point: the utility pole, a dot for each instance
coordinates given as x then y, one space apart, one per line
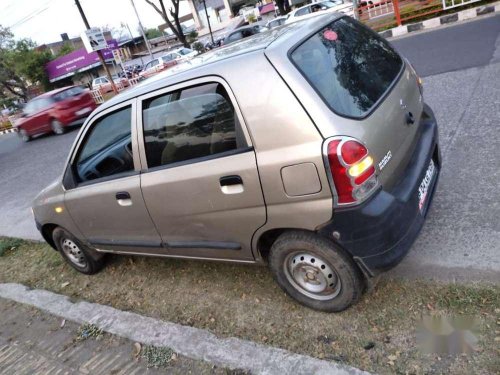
101 59
142 30
208 21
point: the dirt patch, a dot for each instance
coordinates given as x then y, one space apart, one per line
378 334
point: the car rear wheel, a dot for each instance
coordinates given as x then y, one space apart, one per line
76 254
313 271
24 135
57 127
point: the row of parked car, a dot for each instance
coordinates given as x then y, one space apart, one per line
298 14
150 68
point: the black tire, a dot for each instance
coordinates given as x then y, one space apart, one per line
57 127
90 261
303 254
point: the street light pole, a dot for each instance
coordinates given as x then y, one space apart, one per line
101 59
142 30
208 21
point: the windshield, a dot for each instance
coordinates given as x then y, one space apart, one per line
63 95
349 65
331 4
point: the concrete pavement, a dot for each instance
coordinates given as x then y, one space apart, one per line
35 342
461 238
197 344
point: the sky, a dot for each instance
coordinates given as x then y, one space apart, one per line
44 20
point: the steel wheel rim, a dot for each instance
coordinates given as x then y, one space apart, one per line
57 127
73 252
312 276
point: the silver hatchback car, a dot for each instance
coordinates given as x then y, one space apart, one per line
308 148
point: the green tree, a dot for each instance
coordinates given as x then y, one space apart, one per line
152 33
21 65
65 49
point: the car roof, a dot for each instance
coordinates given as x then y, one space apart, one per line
53 92
281 38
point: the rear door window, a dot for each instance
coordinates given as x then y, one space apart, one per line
350 67
190 123
235 36
302 12
66 94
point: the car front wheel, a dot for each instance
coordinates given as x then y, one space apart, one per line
24 135
316 273
76 254
57 127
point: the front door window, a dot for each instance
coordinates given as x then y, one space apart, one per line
107 150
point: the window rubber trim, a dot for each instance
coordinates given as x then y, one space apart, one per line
201 159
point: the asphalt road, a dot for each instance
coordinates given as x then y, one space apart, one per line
457 47
461 238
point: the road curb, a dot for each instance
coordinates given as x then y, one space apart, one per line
447 19
191 342
7 131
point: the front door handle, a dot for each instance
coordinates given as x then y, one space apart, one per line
230 180
123 198
231 184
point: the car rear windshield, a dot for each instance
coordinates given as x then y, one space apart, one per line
66 94
351 67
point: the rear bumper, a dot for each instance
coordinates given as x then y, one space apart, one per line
379 232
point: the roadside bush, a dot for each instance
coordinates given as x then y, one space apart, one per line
198 46
192 36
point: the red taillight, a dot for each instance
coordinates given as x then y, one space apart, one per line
339 173
353 152
352 170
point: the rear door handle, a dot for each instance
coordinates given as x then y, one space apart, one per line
231 184
123 198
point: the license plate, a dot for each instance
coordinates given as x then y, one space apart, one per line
83 111
423 189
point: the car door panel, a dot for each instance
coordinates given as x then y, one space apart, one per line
193 214
107 203
201 185
107 224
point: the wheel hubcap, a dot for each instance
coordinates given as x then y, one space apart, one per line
56 127
73 252
312 276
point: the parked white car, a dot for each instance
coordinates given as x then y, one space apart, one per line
181 54
105 86
320 7
278 21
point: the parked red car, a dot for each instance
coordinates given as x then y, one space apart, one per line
54 111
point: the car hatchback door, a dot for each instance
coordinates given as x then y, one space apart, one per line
200 180
103 185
